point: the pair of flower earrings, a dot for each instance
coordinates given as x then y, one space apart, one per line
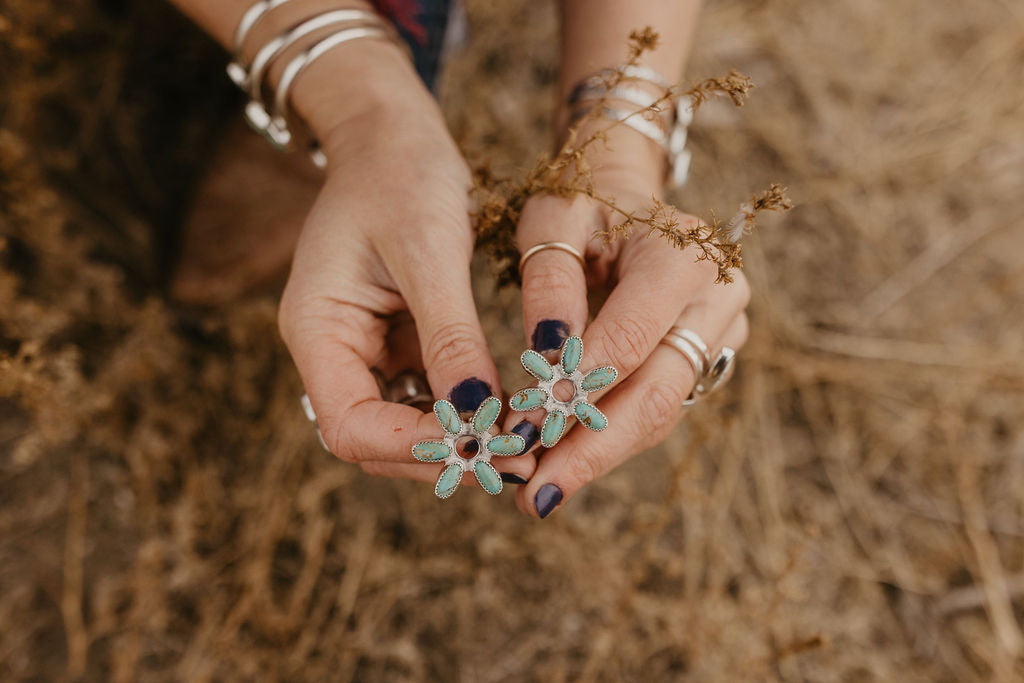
532 398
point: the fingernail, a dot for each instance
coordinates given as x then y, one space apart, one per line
549 335
471 448
468 394
546 499
510 478
528 431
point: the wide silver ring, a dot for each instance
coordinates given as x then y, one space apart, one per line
694 357
696 340
561 246
720 371
408 388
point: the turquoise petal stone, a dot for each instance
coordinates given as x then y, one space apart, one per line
528 399
431 451
449 480
448 417
536 365
599 378
506 444
551 430
590 417
486 414
488 477
572 353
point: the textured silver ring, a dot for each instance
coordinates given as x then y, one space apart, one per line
561 246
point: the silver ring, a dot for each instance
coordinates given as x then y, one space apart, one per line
307 408
720 372
693 357
697 341
409 387
561 246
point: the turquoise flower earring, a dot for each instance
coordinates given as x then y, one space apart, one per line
487 445
543 396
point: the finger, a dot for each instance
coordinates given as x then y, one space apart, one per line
669 285
554 286
454 350
639 412
331 344
554 289
736 335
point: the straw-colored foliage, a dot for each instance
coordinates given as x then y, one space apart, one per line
851 507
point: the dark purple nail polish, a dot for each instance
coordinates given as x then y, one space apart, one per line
549 335
546 499
510 478
528 431
471 448
468 394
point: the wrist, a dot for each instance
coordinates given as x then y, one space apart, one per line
366 77
625 159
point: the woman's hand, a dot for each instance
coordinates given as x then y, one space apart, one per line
381 274
653 287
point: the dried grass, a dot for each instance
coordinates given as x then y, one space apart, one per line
850 509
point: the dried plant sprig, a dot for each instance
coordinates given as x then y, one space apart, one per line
568 173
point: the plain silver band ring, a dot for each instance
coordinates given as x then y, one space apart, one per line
561 246
695 339
693 357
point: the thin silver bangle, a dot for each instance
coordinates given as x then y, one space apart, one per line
278 132
633 95
256 111
636 121
236 70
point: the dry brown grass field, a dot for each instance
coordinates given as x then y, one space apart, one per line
851 508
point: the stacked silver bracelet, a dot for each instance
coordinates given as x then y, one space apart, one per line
273 121
670 135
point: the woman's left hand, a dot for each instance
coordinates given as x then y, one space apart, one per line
653 287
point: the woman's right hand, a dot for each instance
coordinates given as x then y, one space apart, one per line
389 237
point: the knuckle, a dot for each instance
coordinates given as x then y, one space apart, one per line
585 466
450 344
741 291
333 433
627 342
662 403
550 283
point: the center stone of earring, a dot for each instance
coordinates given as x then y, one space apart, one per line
467 447
563 390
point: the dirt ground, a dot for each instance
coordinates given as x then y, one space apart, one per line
850 509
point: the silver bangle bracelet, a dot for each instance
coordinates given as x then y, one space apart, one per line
236 71
672 141
279 117
255 111
633 95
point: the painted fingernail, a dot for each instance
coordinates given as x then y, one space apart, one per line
549 335
471 448
528 431
510 478
468 394
547 498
